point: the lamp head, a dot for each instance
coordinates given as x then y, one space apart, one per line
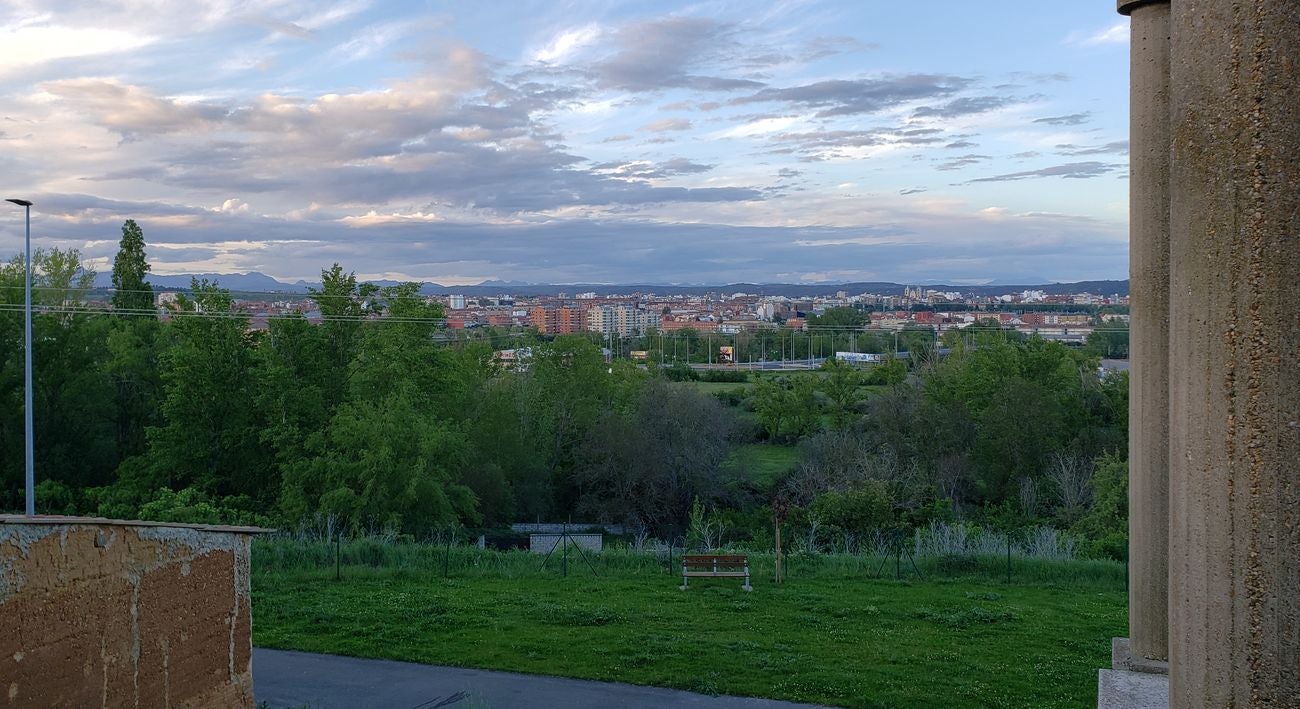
20 202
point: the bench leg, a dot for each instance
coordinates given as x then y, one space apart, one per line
683 586
747 587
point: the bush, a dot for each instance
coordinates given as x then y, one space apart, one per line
731 376
680 373
192 506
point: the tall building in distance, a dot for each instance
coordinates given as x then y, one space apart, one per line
622 319
555 321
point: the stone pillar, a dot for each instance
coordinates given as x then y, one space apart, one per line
1148 457
1235 354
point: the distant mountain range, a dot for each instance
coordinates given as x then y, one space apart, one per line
255 282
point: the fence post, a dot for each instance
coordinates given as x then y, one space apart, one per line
1008 557
446 557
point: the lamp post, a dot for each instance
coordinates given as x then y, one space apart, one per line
27 362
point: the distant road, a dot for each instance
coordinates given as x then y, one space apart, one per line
788 365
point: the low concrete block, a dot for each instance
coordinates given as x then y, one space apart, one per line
1124 689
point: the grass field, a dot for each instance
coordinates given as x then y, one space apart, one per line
762 462
714 387
829 635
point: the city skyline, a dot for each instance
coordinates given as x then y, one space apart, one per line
808 142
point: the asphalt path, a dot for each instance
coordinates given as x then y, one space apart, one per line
283 679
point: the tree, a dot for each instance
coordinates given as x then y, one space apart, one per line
841 388
838 318
567 386
1071 478
786 406
1109 340
383 464
131 291
648 466
1106 523
830 460
343 307
857 510
209 434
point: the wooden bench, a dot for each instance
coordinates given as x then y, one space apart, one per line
715 566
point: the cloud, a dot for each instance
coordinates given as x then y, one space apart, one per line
1072 119
877 237
963 161
373 218
457 138
1074 170
964 106
667 124
1119 147
375 38
282 135
664 53
829 46
842 97
567 43
645 170
31 45
843 143
1117 33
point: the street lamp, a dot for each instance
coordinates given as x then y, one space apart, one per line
27 364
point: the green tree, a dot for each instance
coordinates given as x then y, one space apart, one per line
293 376
840 385
787 406
567 385
343 305
208 437
861 509
1109 340
838 319
130 290
1106 523
383 464
645 466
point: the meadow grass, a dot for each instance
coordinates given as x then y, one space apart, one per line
714 387
832 634
761 462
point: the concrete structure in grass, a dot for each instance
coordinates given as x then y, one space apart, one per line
98 613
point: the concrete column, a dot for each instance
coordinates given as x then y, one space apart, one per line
1148 456
1235 354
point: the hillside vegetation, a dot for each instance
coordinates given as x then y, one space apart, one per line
371 424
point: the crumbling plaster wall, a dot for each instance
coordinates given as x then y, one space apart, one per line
122 614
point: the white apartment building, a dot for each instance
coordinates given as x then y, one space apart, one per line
622 319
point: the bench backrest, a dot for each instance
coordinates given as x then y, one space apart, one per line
711 560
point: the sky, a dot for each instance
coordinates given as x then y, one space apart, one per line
555 141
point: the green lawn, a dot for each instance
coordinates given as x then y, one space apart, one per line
714 387
848 641
762 462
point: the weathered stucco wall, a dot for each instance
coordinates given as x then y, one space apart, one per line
123 614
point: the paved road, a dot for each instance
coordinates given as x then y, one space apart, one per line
295 679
